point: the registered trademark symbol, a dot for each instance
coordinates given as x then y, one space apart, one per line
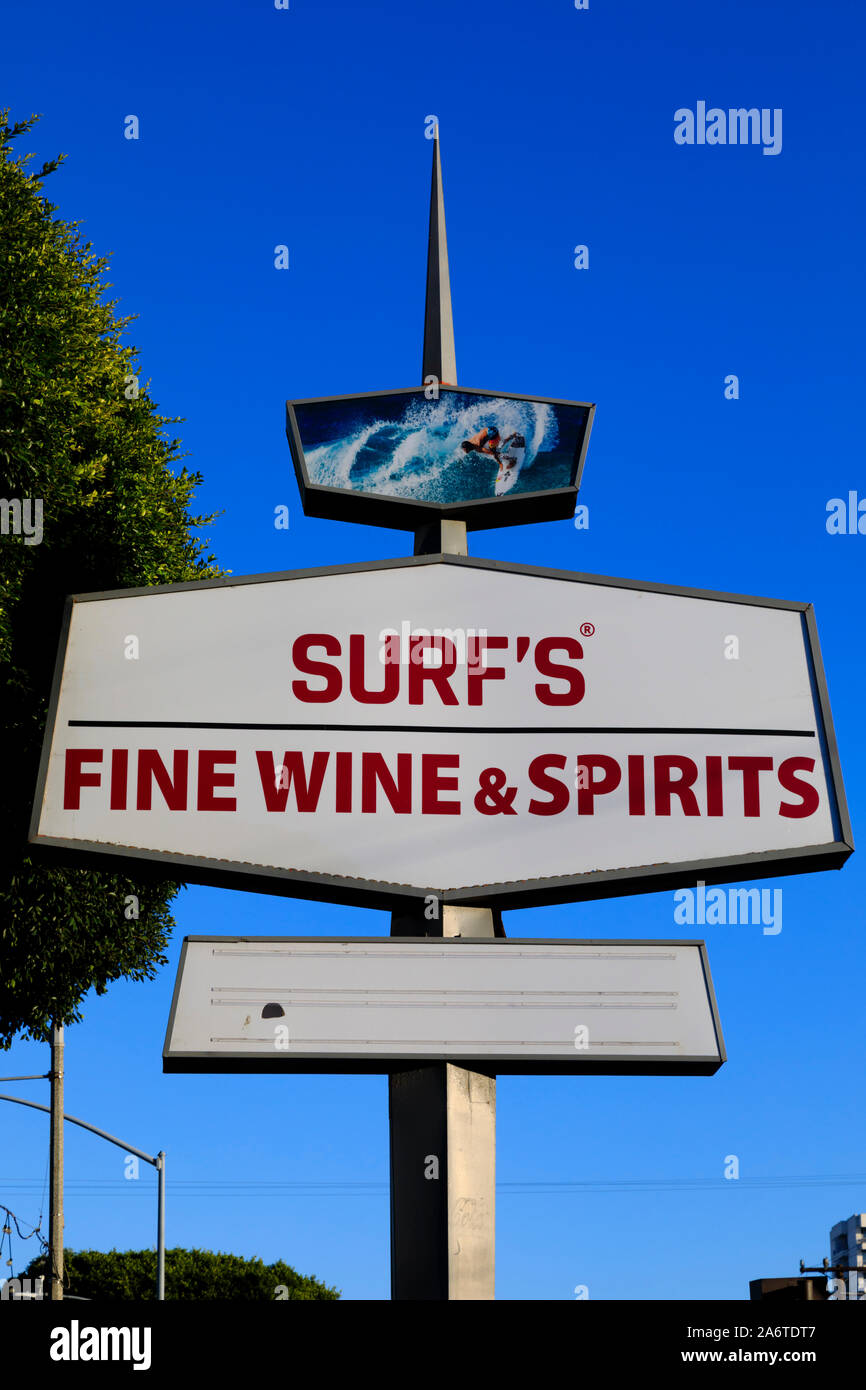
587 629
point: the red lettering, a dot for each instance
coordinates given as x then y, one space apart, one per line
432 784
357 687
374 770
608 782
714 786
306 793
209 779
751 769
152 769
476 673
546 667
302 661
666 787
119 771
559 791
343 801
75 778
636 785
809 798
438 676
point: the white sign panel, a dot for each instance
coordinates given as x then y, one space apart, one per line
270 1003
451 727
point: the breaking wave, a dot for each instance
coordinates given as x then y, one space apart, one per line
419 455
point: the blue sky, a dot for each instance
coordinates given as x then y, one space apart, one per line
305 127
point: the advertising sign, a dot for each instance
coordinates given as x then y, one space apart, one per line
405 457
443 726
324 1004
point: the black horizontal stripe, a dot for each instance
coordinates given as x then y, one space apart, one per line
433 728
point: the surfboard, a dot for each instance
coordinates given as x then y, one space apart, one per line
511 461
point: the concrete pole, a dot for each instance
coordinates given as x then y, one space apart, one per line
443 1157
442 538
442 1117
55 1189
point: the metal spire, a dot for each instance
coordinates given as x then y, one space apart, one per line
438 357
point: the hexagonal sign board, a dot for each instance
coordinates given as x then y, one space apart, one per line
408 457
442 726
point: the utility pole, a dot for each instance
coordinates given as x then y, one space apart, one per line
55 1199
442 1117
158 1163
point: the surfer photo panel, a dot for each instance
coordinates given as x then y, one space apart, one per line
402 458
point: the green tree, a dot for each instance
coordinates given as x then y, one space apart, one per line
189 1274
79 433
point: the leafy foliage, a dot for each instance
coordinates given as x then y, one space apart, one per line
73 433
189 1274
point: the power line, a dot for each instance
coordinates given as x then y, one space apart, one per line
9 1219
96 1187
10 1216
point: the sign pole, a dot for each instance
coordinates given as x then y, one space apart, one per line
442 1117
438 361
55 1202
442 1122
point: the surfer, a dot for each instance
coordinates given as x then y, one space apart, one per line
508 453
486 441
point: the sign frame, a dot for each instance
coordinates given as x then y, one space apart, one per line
282 1063
398 897
407 514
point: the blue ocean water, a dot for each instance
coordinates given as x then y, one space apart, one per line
406 446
